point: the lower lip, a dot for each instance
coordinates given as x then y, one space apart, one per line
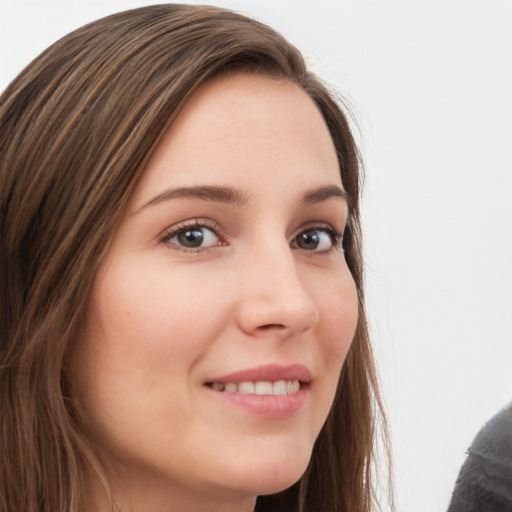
267 406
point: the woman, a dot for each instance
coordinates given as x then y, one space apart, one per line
181 305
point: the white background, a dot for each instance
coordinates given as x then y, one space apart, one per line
431 86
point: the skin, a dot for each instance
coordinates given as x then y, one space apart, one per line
164 319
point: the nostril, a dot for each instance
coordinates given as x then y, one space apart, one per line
272 326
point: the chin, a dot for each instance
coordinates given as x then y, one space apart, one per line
278 484
274 473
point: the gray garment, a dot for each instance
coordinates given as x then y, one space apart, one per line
484 483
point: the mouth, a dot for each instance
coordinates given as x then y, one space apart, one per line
271 391
275 380
276 388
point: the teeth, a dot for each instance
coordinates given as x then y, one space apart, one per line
292 387
263 388
246 388
279 387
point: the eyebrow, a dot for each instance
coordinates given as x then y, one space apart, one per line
216 194
321 194
231 195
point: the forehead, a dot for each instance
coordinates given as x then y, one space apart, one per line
237 129
248 104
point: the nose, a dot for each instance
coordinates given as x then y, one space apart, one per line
273 299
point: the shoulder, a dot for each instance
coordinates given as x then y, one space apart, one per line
485 479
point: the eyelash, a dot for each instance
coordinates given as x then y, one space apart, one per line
335 236
190 225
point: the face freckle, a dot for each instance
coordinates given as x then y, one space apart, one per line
204 282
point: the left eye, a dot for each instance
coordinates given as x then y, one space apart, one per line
194 237
315 240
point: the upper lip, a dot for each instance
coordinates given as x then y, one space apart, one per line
270 372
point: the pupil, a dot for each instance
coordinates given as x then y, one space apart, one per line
191 238
309 240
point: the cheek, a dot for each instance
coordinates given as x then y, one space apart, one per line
142 337
339 314
146 313
338 306
146 332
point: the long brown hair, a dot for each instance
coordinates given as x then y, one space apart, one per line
77 127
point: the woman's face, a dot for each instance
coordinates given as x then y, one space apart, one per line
222 313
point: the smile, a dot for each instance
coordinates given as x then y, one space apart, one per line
280 387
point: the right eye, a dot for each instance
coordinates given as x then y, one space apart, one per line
195 236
